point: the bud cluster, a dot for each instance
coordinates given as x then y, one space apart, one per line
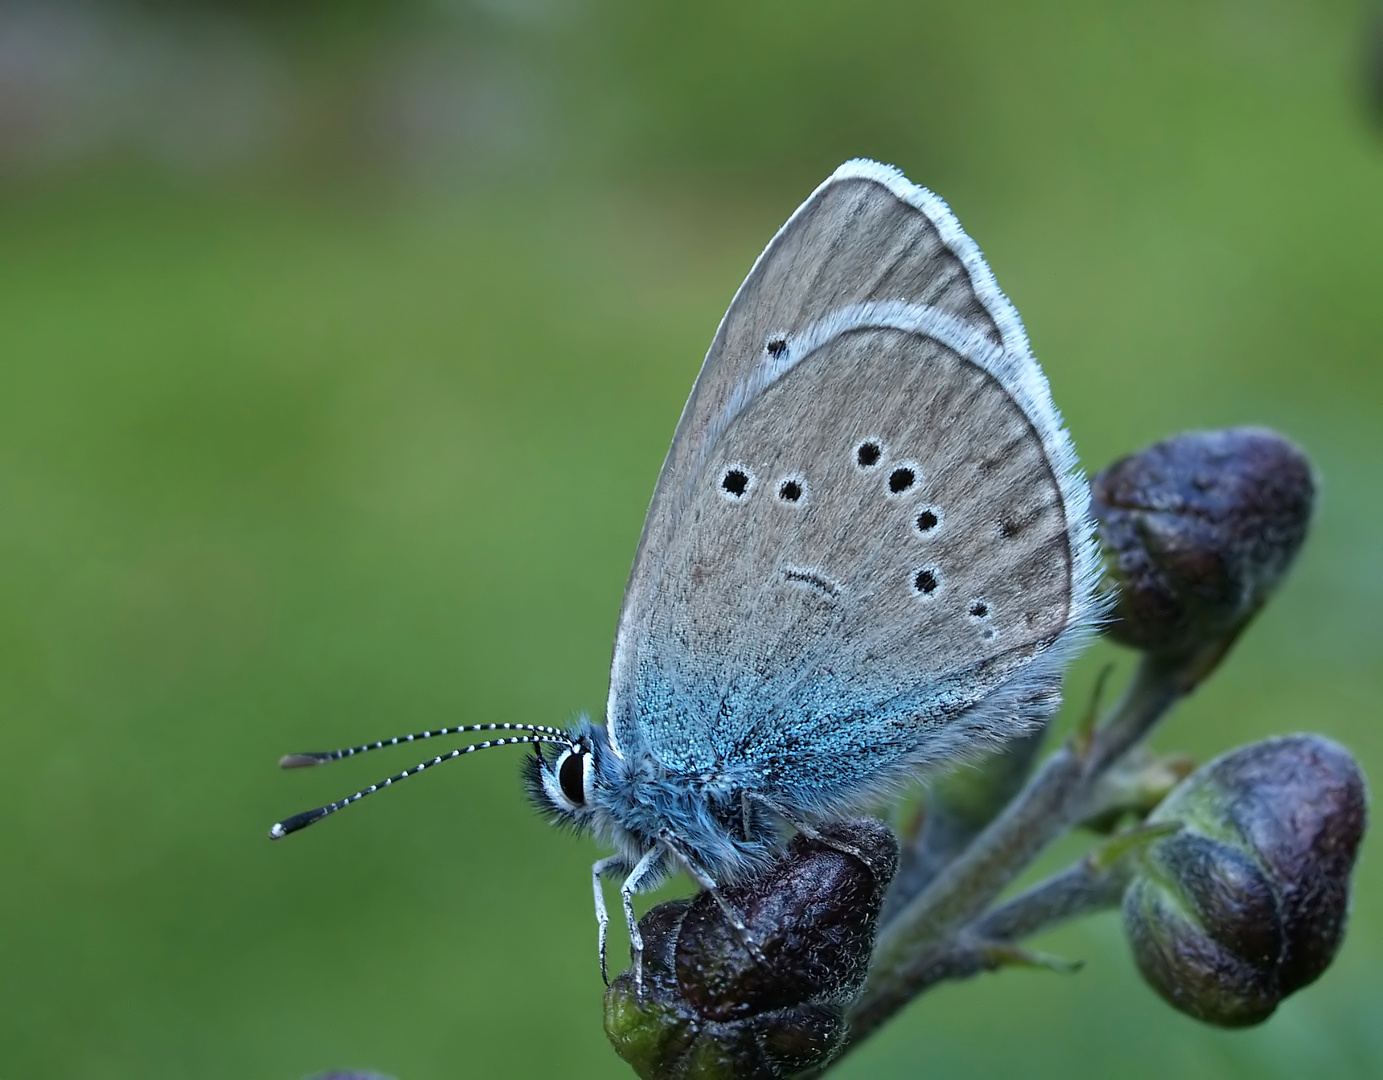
1234 887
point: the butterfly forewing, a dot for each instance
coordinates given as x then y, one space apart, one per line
866 234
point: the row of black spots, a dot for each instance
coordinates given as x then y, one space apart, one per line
927 580
737 481
903 477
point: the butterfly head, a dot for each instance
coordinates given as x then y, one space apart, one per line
636 803
565 781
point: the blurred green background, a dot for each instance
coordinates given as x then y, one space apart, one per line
340 345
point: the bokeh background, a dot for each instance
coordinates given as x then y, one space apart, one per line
340 345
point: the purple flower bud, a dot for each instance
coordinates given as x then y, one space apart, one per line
710 1011
1198 530
1246 904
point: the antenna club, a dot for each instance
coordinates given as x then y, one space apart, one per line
301 821
302 761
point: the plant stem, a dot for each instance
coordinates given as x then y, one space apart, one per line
1083 888
947 915
957 809
1078 890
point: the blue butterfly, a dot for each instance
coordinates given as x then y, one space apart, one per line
869 552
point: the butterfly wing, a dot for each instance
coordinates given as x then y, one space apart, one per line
865 546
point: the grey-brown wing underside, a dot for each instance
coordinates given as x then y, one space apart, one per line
876 566
866 234
866 241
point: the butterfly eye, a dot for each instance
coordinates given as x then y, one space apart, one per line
571 776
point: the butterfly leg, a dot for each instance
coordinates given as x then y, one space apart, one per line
810 833
645 866
708 883
602 916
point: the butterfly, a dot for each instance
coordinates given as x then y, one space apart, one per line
869 553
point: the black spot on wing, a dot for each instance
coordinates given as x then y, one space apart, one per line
790 490
925 582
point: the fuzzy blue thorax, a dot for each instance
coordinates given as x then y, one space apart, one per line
636 804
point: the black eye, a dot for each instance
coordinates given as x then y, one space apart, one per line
571 777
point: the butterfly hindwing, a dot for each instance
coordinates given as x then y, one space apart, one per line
879 544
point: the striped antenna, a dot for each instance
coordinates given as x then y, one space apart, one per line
300 821
300 761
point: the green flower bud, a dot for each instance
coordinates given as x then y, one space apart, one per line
1246 904
710 1011
1197 532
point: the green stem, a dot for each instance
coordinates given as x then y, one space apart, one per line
1086 887
1046 807
956 810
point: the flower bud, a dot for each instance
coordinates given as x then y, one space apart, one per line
1246 904
710 1011
1197 531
